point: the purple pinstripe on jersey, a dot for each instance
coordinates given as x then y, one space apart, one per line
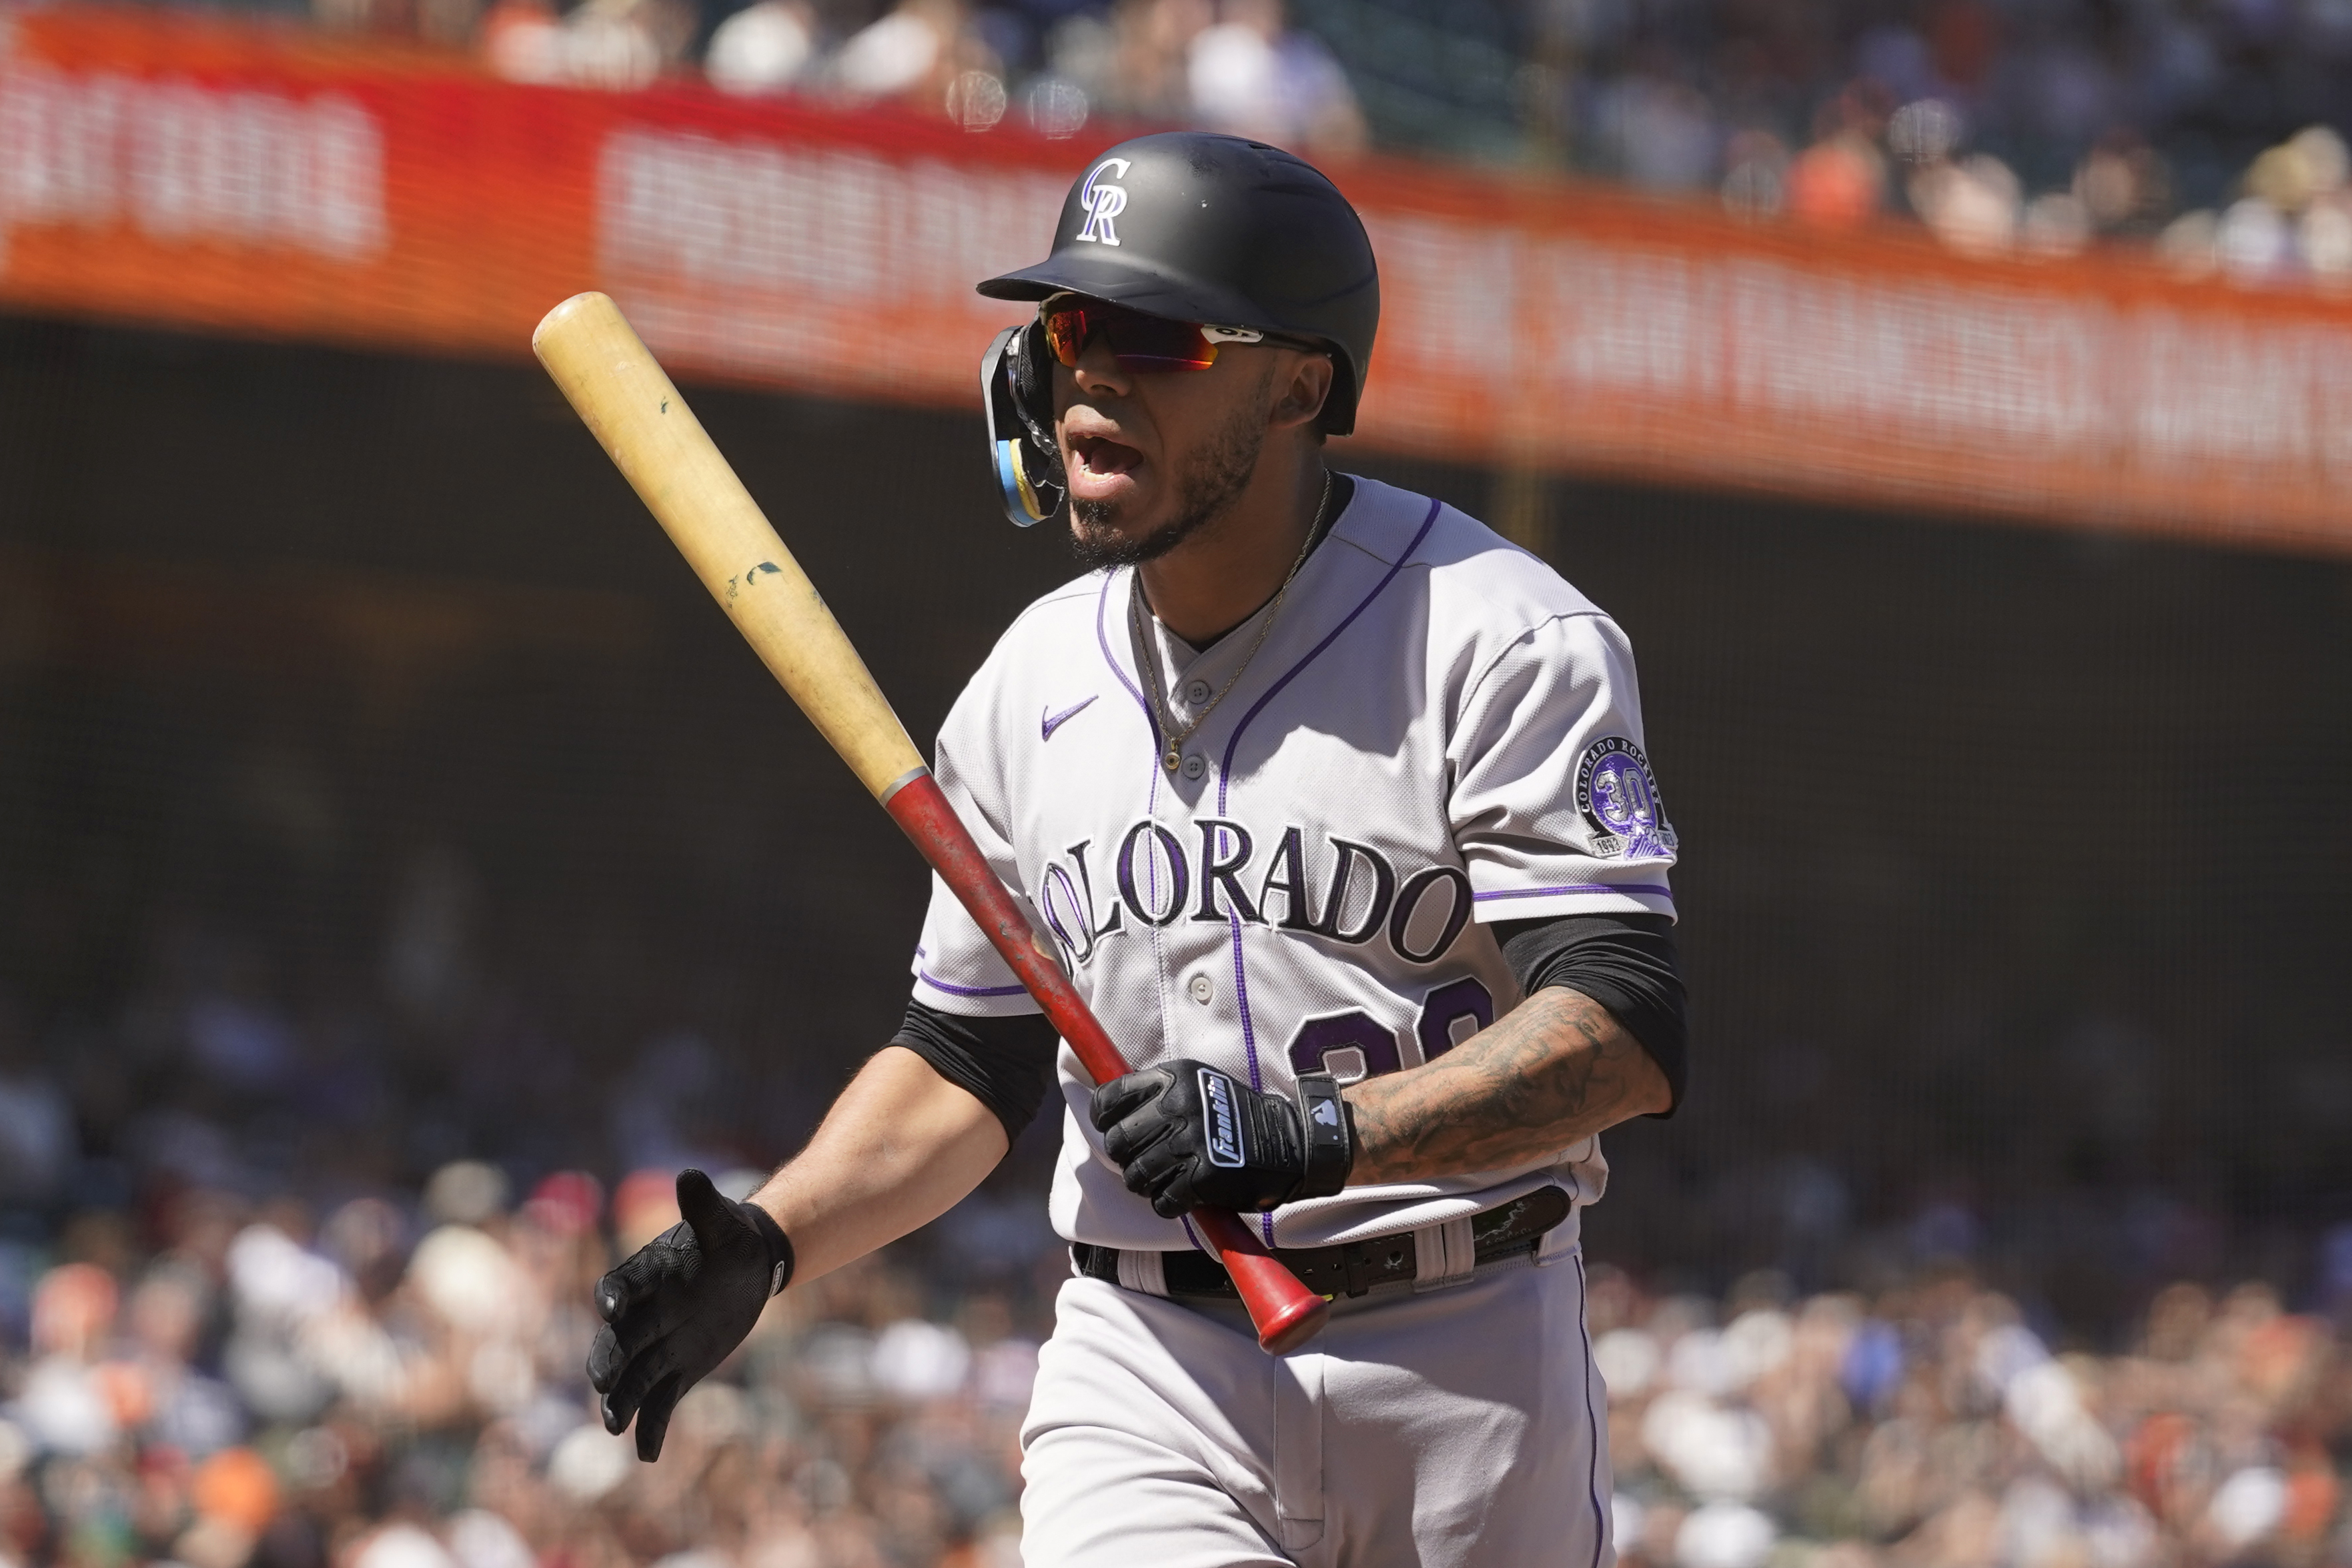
1224 771
1241 1001
1224 777
1660 889
1151 795
1102 641
1600 1520
938 984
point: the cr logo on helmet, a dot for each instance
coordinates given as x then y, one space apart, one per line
1103 202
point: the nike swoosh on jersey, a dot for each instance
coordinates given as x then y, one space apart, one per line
1053 721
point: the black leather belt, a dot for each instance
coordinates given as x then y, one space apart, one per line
1353 1268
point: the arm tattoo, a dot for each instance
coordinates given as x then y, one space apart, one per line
1548 1075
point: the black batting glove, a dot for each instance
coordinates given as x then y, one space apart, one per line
676 1308
1185 1137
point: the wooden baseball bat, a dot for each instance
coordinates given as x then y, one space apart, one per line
629 405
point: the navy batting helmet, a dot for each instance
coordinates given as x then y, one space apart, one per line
1193 227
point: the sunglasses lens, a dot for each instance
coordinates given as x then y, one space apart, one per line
1066 333
1139 343
1150 343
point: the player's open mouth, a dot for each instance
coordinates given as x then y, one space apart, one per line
1097 463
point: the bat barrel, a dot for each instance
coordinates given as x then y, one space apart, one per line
635 412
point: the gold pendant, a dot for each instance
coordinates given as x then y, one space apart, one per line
1172 762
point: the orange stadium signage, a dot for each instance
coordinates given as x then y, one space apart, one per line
238 179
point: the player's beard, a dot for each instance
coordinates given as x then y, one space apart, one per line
1205 491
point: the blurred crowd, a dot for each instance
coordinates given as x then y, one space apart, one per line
226 1343
2210 127
305 1181
1932 1424
1235 65
2287 218
249 1319
298 1275
396 1383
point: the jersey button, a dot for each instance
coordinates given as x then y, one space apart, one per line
1197 693
1202 988
1195 765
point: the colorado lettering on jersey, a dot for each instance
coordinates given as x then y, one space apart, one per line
1156 876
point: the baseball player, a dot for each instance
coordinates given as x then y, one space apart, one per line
1336 806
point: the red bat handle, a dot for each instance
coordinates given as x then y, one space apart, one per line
1286 1312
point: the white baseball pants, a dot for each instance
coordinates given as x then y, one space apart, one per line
1448 1428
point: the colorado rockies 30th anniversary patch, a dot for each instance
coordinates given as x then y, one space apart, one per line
1618 796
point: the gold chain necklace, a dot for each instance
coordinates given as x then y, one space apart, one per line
1173 757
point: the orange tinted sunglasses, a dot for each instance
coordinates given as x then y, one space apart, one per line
1140 342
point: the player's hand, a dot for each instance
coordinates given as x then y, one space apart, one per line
1187 1136
675 1309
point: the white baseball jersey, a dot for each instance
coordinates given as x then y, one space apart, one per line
1436 733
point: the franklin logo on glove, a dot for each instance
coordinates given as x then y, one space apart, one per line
1224 1131
1198 1136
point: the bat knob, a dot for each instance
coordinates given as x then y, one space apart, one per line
1291 1325
1286 1313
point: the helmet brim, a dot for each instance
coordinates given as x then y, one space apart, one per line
1151 291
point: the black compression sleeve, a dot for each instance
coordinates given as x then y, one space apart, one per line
1627 962
1007 1063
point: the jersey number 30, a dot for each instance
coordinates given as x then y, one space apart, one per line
1355 1032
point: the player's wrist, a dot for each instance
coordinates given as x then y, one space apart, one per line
1326 1138
779 1245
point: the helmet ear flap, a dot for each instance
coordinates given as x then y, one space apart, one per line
1017 392
1032 368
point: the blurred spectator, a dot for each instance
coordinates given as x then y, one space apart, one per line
1250 75
1136 60
613 43
1662 133
764 48
617 45
1971 204
1837 181
902 53
1841 179
37 1140
1757 183
928 54
2293 222
2122 184
522 43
